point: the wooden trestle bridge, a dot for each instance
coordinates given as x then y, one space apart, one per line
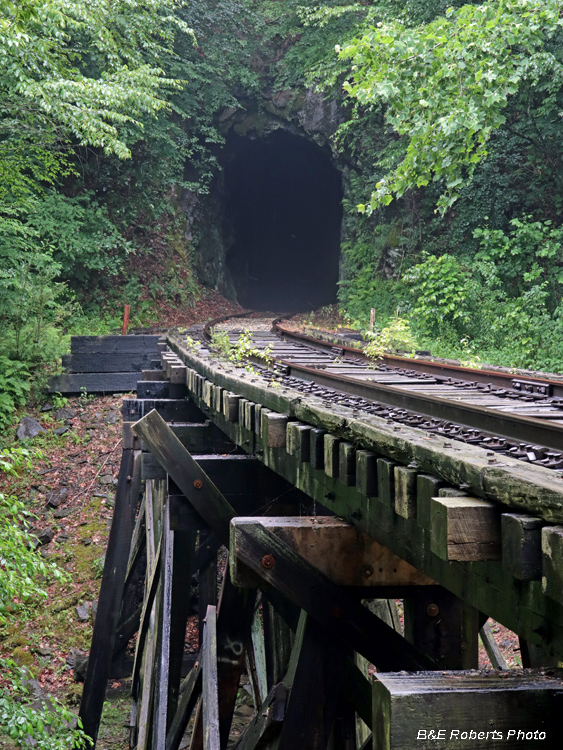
329 516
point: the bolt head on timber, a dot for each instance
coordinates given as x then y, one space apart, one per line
268 562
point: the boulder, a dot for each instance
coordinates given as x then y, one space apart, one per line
83 612
56 497
28 428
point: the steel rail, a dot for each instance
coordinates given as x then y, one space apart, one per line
500 379
507 425
503 424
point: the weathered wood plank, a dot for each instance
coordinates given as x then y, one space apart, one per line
259 650
113 382
427 487
183 567
521 546
171 410
236 607
299 441
153 375
366 473
207 586
491 647
552 562
274 427
102 362
317 455
331 456
405 491
315 690
347 464
442 626
115 344
278 643
159 389
386 481
267 722
186 473
189 694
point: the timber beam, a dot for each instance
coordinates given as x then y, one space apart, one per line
335 548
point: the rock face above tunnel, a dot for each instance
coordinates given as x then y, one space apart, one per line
304 114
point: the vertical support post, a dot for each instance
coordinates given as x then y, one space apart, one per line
316 689
444 627
278 642
207 581
210 693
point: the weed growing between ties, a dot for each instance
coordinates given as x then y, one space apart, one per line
239 352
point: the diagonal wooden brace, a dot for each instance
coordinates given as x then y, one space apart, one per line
342 614
186 473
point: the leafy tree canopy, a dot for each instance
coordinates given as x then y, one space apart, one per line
78 73
445 82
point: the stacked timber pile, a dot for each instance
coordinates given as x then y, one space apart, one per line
106 364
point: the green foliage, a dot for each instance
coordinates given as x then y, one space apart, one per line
22 568
445 85
528 255
239 352
14 391
83 240
396 335
443 290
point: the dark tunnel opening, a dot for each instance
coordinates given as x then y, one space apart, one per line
283 212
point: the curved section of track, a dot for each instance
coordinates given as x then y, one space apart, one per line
521 417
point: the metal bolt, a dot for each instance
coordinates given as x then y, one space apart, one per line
432 610
268 562
368 571
198 484
447 445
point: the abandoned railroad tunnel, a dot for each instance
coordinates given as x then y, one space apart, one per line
283 210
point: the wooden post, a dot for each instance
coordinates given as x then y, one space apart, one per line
316 687
207 580
126 313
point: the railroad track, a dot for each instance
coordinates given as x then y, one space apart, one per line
518 416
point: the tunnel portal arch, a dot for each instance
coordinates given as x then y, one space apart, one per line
283 214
